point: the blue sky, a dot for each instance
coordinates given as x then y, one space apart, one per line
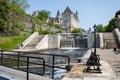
90 11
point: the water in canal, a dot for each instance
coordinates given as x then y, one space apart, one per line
74 54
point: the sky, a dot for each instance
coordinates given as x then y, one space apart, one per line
90 12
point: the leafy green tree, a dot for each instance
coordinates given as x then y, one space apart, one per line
57 26
11 15
100 28
4 14
33 27
112 24
106 28
76 30
22 3
43 15
117 13
44 32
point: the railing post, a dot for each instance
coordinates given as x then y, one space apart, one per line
27 68
53 66
1 57
68 67
43 66
68 61
18 60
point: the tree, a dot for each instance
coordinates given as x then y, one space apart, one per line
43 15
100 28
22 3
76 30
4 14
117 13
11 15
106 28
112 24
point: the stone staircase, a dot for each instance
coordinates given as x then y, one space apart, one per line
109 38
34 42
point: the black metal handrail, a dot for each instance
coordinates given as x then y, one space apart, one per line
53 62
18 54
18 61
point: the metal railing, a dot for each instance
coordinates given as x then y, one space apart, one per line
67 67
6 55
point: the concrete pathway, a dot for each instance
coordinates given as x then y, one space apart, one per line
112 58
12 74
110 67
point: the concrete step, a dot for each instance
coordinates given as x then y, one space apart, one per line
34 42
109 39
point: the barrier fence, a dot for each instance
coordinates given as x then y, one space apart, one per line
25 62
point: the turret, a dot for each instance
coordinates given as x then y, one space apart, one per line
58 14
76 13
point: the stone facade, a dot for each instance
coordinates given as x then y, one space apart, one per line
68 20
35 13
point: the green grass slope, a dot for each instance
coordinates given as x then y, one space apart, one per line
10 42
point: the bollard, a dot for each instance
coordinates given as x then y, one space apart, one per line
79 60
114 49
68 68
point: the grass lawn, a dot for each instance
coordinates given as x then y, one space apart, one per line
10 42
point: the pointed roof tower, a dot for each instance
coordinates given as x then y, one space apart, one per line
68 9
58 13
76 13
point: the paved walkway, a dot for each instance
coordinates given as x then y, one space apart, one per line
112 58
13 74
110 67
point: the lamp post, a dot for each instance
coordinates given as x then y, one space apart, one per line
95 39
94 59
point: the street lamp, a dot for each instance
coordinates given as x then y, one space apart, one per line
95 39
94 59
